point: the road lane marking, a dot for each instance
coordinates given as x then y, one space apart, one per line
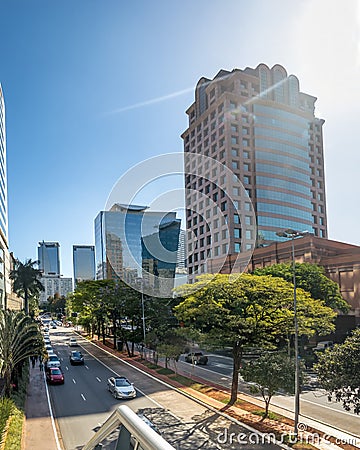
83 397
66 367
86 367
74 381
99 380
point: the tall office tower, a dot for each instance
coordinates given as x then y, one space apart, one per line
266 166
7 298
49 258
83 262
138 247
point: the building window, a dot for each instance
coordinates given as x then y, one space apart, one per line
235 165
234 152
234 140
245 142
237 247
237 233
236 218
246 154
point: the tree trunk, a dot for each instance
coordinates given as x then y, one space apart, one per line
26 301
267 403
237 356
115 333
103 331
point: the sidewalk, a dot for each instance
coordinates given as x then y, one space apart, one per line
38 433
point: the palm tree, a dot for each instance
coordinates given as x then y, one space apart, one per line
26 280
19 338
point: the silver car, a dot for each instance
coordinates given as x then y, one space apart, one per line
120 387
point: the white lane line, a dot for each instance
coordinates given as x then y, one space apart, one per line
99 380
51 415
73 381
86 367
83 397
66 367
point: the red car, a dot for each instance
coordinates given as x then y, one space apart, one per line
54 375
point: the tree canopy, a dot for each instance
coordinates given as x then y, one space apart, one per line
338 371
312 279
26 281
270 373
247 310
19 338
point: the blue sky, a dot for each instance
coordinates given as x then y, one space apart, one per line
94 87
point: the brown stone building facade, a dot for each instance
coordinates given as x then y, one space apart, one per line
341 262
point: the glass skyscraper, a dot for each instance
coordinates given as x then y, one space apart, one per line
49 258
259 126
137 246
83 262
3 177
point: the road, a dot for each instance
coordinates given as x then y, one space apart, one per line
83 403
314 403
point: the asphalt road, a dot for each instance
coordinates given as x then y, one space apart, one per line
314 403
83 403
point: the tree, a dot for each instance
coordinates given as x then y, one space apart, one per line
312 279
26 280
247 310
172 346
338 371
270 373
19 338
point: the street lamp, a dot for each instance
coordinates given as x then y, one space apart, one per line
292 234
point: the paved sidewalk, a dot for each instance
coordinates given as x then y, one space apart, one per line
38 432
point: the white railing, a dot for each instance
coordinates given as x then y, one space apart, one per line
133 430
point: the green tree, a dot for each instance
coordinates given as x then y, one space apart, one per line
338 371
26 281
312 279
19 338
247 310
171 346
271 373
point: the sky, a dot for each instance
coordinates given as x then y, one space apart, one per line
92 88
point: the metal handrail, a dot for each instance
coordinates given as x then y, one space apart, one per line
140 431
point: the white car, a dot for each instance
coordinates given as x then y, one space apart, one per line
73 342
52 361
120 387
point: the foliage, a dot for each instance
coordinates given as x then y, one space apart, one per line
19 338
247 310
312 279
173 346
14 434
26 281
6 407
270 373
338 371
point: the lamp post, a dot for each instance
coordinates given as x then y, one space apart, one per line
292 234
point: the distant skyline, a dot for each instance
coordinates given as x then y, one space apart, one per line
93 88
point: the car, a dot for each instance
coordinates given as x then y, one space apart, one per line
120 387
50 352
73 342
48 347
54 375
196 358
76 357
52 361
